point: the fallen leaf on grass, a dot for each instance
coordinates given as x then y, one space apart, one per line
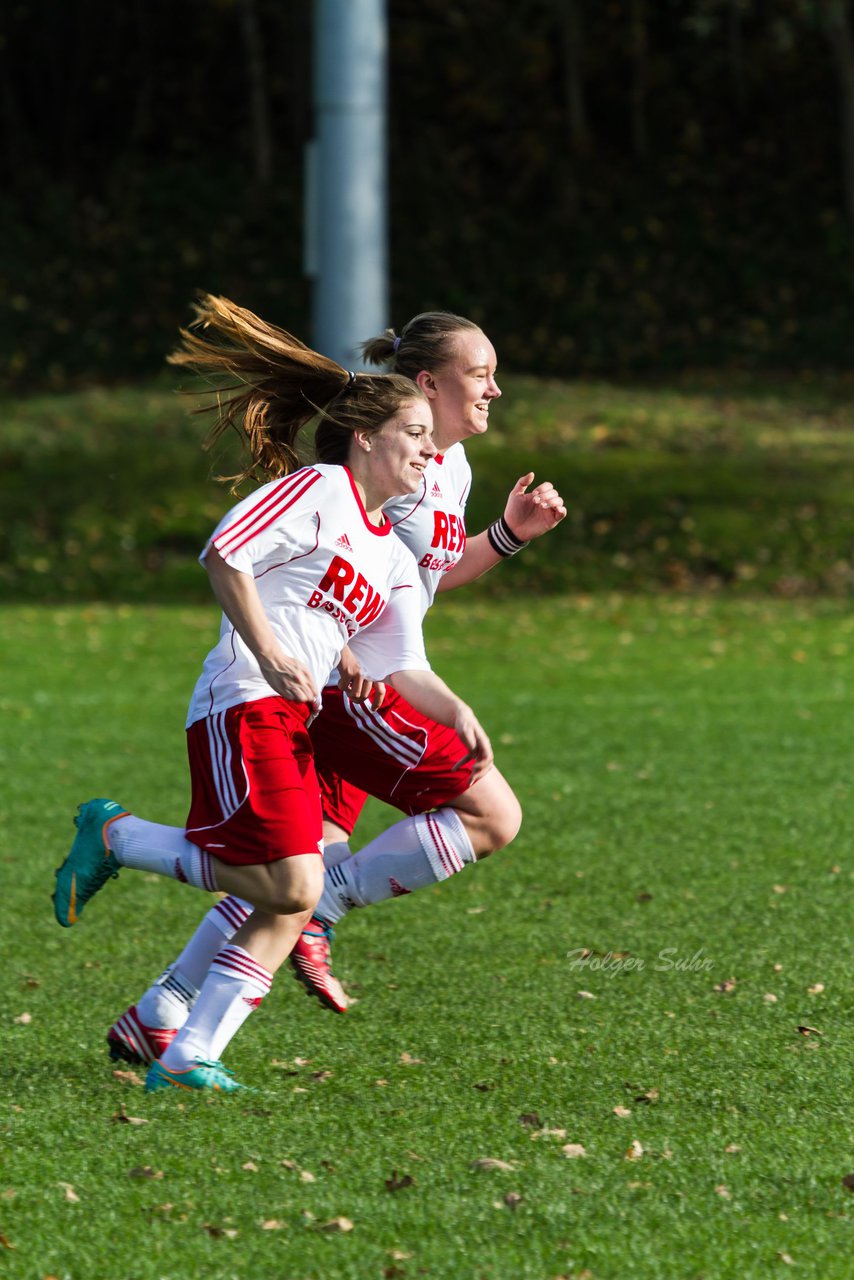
394 1183
622 1112
780 888
635 1151
651 1095
399 1255
145 1171
128 1077
321 1075
787 1258
336 1224
485 1086
7 1244
848 1182
810 1031
733 1149
548 1133
769 997
9 1194
249 1167
474 911
816 989
70 1194
531 1119
726 986
586 995
122 1117
23 1019
512 1199
408 1060
723 1192
217 1232
273 1224
488 1163
574 1150
306 1176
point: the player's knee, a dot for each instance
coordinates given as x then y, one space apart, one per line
508 822
501 825
297 889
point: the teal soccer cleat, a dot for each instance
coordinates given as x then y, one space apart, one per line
204 1075
89 864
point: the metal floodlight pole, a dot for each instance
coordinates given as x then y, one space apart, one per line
346 249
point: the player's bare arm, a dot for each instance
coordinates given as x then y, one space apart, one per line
429 694
528 514
239 600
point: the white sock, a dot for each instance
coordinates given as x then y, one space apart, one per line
149 846
167 1003
336 852
236 984
413 853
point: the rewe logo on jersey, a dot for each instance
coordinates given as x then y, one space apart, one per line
344 542
449 531
358 602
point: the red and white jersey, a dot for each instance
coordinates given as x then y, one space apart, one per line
431 521
324 574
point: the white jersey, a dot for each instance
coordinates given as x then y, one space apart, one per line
431 521
324 573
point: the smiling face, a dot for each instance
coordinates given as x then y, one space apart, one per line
391 461
461 389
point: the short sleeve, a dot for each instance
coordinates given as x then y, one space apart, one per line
259 524
395 642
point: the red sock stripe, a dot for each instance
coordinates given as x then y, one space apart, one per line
234 962
448 856
234 912
206 871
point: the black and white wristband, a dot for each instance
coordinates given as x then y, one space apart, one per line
502 539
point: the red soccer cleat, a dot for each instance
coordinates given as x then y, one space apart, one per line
130 1040
311 962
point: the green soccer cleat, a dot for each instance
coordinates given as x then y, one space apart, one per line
89 864
204 1075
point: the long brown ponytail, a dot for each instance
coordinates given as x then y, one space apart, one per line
275 385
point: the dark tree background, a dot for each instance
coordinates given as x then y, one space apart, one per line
613 186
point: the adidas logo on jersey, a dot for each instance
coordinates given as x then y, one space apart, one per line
435 492
344 542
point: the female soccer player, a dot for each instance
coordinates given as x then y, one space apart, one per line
304 567
390 751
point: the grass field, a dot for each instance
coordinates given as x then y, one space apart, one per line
658 973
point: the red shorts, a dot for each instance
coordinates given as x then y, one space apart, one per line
395 754
255 795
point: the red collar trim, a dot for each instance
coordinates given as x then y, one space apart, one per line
380 531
